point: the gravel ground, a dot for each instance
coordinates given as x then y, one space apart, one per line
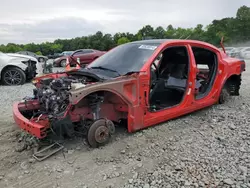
209 148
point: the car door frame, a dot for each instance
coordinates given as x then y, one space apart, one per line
186 106
90 55
211 97
85 57
78 55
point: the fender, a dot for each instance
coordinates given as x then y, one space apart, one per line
13 63
127 89
239 69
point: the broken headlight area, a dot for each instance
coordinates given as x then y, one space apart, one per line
49 106
31 69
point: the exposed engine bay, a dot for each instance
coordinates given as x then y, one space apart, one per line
53 94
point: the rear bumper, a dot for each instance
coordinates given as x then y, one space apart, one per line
33 126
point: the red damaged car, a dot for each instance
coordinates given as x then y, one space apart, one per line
141 84
86 56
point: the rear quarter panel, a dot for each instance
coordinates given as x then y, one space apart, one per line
229 66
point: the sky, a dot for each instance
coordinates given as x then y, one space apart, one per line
28 21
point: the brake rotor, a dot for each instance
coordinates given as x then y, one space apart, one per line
99 132
102 134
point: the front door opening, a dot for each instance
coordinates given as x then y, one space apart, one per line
169 78
206 63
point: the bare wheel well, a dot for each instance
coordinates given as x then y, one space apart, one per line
105 104
233 84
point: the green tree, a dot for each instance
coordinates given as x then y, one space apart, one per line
233 29
122 40
243 22
38 53
146 31
159 32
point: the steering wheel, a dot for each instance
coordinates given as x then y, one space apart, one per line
154 75
156 70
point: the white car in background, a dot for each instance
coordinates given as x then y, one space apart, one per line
245 53
236 52
16 69
228 50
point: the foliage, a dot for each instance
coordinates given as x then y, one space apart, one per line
38 53
235 30
123 40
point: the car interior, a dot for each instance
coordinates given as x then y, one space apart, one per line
206 63
169 76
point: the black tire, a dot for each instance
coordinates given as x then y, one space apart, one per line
63 63
224 96
17 74
98 134
41 59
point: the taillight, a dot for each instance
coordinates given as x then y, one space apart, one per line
243 66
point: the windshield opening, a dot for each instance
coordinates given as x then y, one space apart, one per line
125 58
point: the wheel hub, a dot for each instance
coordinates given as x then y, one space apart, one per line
102 134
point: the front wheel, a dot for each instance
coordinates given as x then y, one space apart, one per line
100 132
13 76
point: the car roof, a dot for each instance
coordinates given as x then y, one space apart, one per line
150 41
162 41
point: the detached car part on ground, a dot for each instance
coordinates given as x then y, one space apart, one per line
16 69
86 56
138 84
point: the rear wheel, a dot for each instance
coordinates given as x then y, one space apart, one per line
224 96
13 76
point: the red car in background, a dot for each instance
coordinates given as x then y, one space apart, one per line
86 56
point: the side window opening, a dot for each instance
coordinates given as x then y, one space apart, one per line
86 51
206 63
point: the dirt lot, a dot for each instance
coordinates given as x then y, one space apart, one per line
209 148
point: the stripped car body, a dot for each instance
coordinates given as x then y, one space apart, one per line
141 83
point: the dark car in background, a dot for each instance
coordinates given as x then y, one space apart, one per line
40 58
86 56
